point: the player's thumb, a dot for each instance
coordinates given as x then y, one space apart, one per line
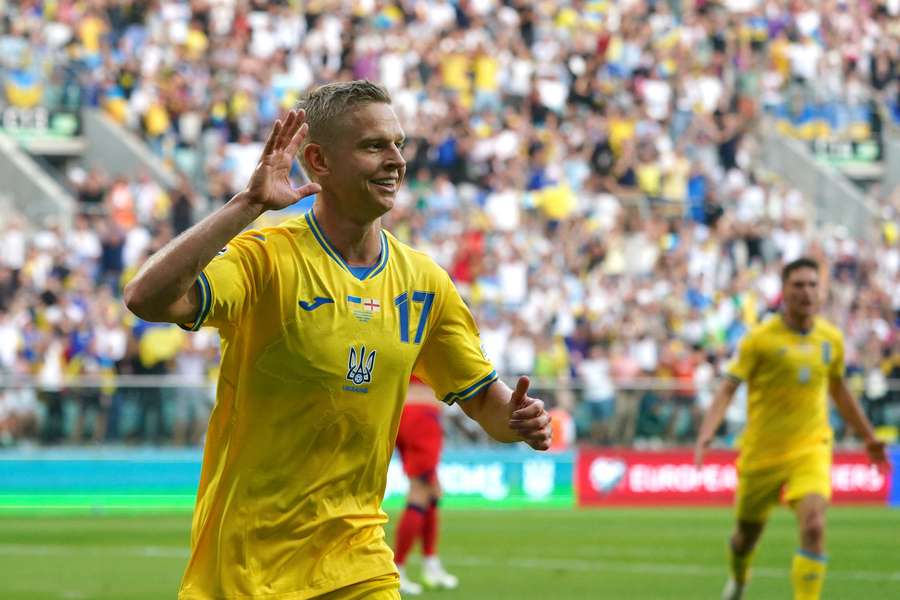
518 395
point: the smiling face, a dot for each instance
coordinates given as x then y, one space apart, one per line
365 164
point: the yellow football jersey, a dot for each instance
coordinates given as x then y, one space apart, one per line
315 367
787 373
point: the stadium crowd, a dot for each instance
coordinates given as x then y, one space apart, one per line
587 172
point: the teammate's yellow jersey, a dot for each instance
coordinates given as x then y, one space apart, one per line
788 374
315 368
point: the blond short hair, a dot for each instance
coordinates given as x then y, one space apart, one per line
326 105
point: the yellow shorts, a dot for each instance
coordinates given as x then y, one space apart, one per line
758 491
386 587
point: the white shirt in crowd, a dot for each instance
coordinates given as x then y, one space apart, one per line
597 379
13 246
520 354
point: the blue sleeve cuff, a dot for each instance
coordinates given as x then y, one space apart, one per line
472 390
205 304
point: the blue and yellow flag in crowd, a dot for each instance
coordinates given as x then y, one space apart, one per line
23 89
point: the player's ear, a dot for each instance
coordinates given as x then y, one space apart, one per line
314 160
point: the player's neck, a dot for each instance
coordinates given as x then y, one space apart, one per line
358 244
800 324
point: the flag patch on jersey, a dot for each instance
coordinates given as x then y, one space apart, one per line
364 308
826 352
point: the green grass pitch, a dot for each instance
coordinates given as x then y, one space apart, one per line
547 554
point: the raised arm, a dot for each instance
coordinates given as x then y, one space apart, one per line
511 415
853 414
163 289
713 418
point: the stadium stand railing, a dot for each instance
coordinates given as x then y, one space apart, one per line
119 151
173 409
836 200
33 192
892 161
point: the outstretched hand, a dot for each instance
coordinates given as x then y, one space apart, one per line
877 451
700 449
528 418
270 186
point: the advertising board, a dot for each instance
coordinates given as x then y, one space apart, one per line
636 478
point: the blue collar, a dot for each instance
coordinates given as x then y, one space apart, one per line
361 273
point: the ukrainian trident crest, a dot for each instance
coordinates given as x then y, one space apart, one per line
360 366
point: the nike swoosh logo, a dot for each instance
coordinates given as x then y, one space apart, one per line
316 303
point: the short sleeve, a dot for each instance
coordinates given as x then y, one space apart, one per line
233 281
741 366
452 361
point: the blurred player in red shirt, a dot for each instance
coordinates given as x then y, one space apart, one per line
419 442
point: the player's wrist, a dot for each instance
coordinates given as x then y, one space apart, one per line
252 206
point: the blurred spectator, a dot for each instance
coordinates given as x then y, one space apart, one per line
193 399
588 173
183 206
157 347
50 378
599 397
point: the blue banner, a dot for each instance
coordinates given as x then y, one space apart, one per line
501 477
92 480
114 473
894 489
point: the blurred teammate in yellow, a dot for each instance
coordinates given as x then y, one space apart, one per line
323 320
791 363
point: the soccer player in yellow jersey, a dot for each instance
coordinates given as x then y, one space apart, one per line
791 362
323 320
